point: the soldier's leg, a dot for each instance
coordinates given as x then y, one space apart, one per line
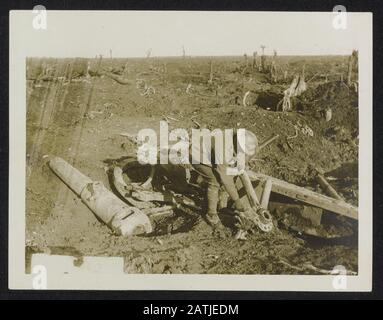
223 198
212 193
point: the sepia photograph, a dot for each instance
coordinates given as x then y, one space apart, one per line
203 150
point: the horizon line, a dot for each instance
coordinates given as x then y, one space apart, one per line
188 56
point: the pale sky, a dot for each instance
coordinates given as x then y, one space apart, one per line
132 33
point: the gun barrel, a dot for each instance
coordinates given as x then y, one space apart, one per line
116 214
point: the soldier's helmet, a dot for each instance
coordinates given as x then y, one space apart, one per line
248 145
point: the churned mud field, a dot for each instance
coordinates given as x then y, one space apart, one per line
84 118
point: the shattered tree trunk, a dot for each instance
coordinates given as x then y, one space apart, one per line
254 65
263 62
126 69
273 72
211 73
263 59
351 62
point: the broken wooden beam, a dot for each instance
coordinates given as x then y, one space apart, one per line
308 196
327 188
268 141
250 192
266 194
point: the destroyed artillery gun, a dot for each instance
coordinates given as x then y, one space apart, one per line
301 209
160 190
175 187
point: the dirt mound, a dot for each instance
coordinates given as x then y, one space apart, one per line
343 102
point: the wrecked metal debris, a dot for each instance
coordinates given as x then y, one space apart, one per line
118 216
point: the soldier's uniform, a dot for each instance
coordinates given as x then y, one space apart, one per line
215 174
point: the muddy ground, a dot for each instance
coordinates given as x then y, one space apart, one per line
82 121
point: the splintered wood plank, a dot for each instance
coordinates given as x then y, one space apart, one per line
302 194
